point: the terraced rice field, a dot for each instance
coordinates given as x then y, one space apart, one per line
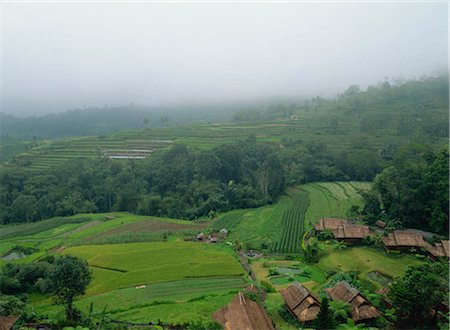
292 222
140 143
332 199
53 153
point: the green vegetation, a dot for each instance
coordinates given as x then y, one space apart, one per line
333 199
123 265
365 260
292 221
413 191
258 228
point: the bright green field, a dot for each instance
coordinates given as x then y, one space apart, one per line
365 260
265 224
255 226
201 296
48 234
124 265
332 199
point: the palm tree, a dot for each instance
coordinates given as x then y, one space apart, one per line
339 245
340 310
350 325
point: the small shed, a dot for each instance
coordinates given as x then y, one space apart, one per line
380 224
201 237
223 231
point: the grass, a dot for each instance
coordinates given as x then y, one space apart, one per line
366 259
123 265
129 300
332 199
292 221
255 227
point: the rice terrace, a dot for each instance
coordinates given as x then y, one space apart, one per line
224 165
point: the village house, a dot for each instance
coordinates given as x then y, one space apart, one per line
243 313
301 302
402 240
361 308
440 250
343 230
329 224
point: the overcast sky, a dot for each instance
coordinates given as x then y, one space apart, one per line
64 55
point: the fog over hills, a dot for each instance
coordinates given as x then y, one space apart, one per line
57 56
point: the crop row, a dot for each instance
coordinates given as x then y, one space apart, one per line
293 225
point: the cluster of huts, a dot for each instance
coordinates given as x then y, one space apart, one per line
243 313
343 230
304 306
213 237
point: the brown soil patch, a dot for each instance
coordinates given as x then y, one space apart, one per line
152 226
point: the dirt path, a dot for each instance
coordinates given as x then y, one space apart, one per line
246 266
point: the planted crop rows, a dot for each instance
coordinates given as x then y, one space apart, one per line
293 225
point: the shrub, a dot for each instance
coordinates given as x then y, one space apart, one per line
269 287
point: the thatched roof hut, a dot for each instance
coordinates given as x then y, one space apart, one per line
301 302
440 249
7 322
401 239
362 309
351 232
329 224
243 313
342 229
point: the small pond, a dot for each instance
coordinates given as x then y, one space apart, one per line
379 278
13 255
289 271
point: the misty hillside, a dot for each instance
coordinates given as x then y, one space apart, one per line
405 105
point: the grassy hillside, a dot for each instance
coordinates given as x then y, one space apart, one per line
124 265
279 227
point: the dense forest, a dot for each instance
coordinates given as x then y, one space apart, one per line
411 181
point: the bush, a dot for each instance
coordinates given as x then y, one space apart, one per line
273 271
269 287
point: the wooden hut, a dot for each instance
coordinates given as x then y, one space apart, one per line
301 302
399 240
440 250
343 230
243 313
351 233
329 224
362 309
7 322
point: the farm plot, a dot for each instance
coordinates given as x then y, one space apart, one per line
332 199
292 222
174 293
123 265
257 228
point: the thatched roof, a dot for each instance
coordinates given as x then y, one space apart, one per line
400 238
301 302
380 224
7 322
329 224
243 313
351 232
362 309
440 249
